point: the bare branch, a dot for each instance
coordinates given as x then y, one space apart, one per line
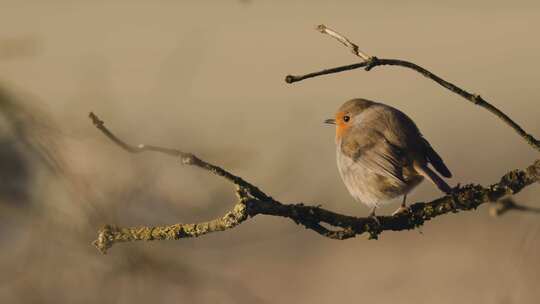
186 158
500 207
346 42
252 202
373 61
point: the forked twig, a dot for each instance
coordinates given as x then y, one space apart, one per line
346 42
186 158
500 207
370 62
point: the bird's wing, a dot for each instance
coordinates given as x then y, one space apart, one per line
372 151
404 133
435 160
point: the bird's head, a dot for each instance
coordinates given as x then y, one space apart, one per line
347 115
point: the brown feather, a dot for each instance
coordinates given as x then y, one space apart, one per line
436 161
382 154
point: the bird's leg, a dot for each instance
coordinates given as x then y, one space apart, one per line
456 188
374 217
403 208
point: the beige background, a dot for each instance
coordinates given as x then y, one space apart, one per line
208 78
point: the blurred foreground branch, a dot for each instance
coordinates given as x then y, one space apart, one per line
252 201
500 207
370 62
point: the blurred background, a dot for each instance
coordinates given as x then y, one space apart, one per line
207 77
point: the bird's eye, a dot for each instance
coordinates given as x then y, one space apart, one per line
346 118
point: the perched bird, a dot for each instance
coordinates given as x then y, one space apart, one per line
381 154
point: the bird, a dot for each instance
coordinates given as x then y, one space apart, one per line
382 155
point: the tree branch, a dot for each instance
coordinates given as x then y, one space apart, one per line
346 42
370 62
252 202
186 158
502 206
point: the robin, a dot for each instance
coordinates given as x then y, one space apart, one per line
381 154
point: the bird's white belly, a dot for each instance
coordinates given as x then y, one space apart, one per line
370 188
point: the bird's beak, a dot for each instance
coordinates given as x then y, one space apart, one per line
330 121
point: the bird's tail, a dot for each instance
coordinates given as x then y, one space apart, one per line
426 172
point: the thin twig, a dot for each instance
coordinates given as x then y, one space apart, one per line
252 202
500 207
371 61
186 158
346 42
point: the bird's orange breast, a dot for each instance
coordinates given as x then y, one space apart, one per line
341 126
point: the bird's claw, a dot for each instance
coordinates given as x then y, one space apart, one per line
374 218
401 210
